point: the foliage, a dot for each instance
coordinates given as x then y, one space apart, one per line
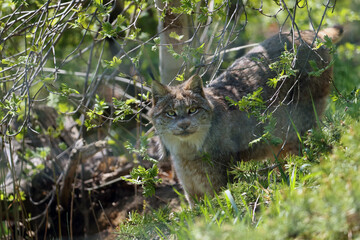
92 61
122 109
283 67
254 105
94 114
139 175
11 198
147 178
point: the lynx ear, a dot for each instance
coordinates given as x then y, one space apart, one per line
195 84
158 90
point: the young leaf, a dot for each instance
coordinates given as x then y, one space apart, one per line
174 35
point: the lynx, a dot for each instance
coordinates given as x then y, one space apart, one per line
204 133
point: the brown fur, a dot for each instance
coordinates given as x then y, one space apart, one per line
204 133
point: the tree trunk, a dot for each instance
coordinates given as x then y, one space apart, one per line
179 24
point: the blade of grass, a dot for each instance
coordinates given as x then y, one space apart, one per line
315 112
293 179
230 198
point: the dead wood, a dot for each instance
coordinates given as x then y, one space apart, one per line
79 154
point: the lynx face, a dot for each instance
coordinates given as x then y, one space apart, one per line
181 114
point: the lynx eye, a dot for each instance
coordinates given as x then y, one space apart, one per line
171 113
192 110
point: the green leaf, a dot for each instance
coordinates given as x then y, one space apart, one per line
122 108
62 146
200 49
174 35
120 19
40 167
107 30
180 77
7 62
66 91
272 82
115 62
89 125
172 52
10 198
65 107
334 98
157 40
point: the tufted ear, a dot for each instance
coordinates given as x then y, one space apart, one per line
158 91
195 84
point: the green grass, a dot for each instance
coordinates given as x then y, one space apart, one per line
320 201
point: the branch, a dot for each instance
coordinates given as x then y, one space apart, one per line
79 154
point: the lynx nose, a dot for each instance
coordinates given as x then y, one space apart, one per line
183 125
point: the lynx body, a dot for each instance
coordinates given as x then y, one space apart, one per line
204 133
